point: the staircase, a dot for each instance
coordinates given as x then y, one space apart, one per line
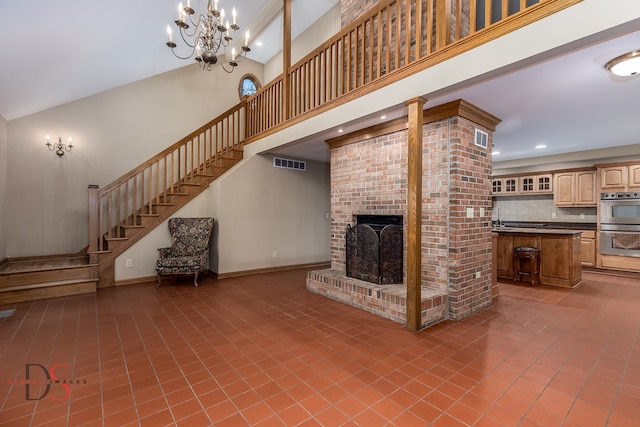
33 278
123 212
26 279
125 233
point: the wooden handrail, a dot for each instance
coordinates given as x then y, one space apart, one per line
136 194
173 147
393 39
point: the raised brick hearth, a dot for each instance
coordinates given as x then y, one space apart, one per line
388 301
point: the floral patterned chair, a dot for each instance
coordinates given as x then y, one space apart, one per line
189 252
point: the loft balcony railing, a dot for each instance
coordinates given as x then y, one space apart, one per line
391 41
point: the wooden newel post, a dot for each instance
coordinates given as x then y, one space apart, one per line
94 230
414 214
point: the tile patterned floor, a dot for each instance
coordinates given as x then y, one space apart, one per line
262 351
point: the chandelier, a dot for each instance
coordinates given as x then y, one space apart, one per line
210 37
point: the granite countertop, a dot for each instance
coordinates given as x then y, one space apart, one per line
551 225
531 230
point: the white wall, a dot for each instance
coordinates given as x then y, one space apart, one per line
261 210
113 132
258 209
3 188
324 28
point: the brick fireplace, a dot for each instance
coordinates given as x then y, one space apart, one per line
369 177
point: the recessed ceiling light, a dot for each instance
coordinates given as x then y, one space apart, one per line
625 65
382 117
340 131
495 153
541 146
258 43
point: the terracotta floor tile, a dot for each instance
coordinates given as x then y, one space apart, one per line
257 413
185 409
161 418
538 356
294 415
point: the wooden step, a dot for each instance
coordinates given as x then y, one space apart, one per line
14 294
45 277
41 275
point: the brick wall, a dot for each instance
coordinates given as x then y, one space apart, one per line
370 177
350 10
469 238
367 177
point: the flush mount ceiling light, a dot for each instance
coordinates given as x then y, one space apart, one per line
625 65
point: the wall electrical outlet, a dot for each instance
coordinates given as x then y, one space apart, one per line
129 262
469 212
581 215
477 274
553 215
275 254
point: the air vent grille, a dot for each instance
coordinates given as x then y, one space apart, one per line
481 139
299 165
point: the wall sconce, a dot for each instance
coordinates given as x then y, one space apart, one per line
59 147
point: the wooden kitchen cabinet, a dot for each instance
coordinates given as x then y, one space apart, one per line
577 188
588 248
536 184
518 185
504 186
634 177
614 178
504 256
620 177
560 254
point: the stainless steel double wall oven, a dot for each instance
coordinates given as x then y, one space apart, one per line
620 224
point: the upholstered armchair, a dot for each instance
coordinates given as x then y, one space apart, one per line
189 252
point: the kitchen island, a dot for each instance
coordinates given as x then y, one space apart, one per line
560 258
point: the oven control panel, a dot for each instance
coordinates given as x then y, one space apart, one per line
619 196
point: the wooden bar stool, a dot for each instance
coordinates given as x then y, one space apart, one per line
526 262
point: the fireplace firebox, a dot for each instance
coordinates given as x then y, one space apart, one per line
374 249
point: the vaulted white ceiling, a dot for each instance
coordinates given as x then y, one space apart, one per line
57 51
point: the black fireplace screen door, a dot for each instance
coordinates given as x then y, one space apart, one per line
374 259
362 253
391 246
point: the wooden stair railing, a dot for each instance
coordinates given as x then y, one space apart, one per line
124 211
391 41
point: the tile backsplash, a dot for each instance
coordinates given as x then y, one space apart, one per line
540 209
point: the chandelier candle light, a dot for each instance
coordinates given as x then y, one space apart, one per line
59 147
210 38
